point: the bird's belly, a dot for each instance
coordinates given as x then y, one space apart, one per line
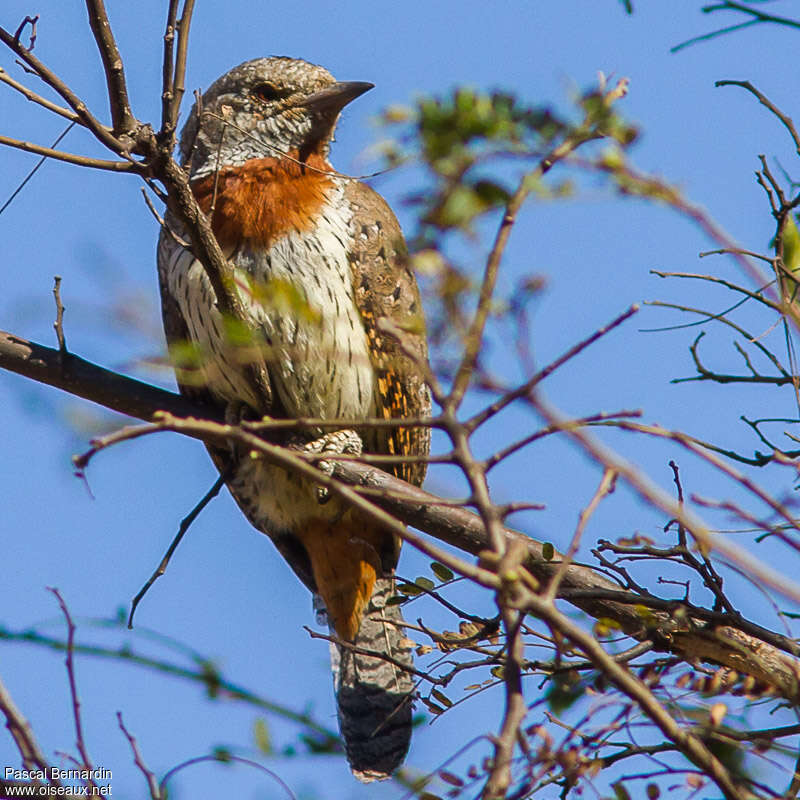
302 321
301 318
316 345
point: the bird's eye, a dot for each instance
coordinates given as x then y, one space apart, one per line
268 92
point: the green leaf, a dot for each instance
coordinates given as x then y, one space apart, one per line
395 600
791 245
425 583
262 737
620 791
730 754
319 743
211 677
548 551
564 691
441 571
408 589
790 239
222 754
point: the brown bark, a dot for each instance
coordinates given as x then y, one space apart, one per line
692 633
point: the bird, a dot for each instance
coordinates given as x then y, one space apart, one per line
333 325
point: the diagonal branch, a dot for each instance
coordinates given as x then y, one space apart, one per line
101 132
728 641
35 98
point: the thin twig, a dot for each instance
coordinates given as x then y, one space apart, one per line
149 776
688 743
36 168
376 654
474 336
58 325
605 488
100 131
73 686
35 98
515 708
184 526
767 103
32 21
524 389
204 675
70 158
224 759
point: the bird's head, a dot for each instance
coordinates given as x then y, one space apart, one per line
263 108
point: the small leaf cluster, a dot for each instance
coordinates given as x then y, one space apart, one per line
456 133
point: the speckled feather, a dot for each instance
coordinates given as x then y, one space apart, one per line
336 243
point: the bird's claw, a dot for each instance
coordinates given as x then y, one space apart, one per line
340 443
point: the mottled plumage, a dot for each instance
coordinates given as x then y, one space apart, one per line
319 261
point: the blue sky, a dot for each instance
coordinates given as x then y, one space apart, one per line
227 594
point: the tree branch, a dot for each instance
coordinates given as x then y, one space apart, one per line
689 637
122 120
69 158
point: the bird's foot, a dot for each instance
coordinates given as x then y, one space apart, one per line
345 442
235 412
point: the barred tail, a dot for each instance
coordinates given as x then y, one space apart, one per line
374 696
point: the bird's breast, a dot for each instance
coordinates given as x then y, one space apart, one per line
263 199
292 266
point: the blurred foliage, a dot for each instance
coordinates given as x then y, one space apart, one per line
476 148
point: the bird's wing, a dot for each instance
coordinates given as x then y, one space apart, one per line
385 288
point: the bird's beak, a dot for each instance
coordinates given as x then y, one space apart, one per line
336 97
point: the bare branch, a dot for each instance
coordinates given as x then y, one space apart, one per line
122 120
101 132
20 730
35 98
524 389
688 743
757 17
174 68
516 708
606 487
73 686
225 759
474 336
58 325
36 168
179 81
152 783
405 504
184 526
84 379
167 69
70 158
